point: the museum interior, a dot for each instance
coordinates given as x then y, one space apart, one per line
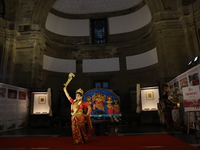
128 56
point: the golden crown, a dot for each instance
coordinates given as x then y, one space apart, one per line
79 91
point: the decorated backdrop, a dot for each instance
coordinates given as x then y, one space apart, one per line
103 102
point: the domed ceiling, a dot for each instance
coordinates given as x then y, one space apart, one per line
127 16
93 6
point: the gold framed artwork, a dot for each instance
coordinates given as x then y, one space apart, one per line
149 95
42 100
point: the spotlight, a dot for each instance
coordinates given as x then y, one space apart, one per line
190 63
196 59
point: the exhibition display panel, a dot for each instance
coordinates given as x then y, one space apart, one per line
14 107
186 87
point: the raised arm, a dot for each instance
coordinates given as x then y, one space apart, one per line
66 93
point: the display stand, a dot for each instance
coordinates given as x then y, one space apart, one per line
149 117
195 122
41 108
14 107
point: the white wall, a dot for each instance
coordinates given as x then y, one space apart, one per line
142 60
101 65
59 65
130 22
67 27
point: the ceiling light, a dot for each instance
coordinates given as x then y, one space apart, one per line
190 63
196 59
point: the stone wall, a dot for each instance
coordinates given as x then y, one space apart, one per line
174 31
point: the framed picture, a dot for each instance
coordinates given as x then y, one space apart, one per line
2 92
150 95
42 100
12 94
22 95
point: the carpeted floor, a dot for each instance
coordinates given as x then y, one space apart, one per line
152 142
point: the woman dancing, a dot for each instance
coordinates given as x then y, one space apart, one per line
79 116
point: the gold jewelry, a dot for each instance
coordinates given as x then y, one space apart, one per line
79 91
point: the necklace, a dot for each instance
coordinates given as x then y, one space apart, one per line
74 106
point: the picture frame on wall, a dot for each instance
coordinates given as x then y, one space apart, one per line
42 100
149 95
22 95
2 92
12 94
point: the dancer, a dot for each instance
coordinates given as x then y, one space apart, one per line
80 112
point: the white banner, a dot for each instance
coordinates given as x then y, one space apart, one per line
191 97
14 107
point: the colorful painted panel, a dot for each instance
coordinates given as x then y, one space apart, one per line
103 102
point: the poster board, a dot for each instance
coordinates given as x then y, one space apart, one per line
187 85
14 107
191 96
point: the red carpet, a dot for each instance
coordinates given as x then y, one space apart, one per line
152 142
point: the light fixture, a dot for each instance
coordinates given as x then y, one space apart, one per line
194 62
196 59
190 63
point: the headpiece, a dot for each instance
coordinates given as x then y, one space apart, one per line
79 91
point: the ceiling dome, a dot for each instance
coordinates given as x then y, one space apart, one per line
93 6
